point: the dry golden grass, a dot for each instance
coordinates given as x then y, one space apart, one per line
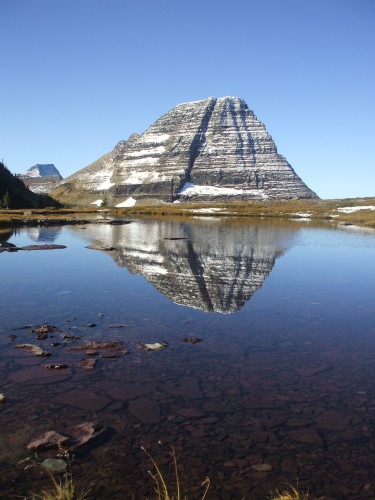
317 210
63 489
292 494
170 492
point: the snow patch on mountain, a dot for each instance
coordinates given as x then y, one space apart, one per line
129 202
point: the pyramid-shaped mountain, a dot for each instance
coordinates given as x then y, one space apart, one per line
214 149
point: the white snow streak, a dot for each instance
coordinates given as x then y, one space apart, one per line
105 185
349 210
147 152
155 138
129 202
190 189
97 203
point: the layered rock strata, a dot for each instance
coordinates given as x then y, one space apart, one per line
214 149
208 265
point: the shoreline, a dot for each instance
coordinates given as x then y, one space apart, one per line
346 212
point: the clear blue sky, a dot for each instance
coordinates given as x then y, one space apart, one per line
77 76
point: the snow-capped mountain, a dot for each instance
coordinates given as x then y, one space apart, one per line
41 178
212 149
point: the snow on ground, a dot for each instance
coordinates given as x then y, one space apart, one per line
145 160
207 210
155 138
139 177
129 202
303 215
147 152
190 189
97 203
349 210
105 185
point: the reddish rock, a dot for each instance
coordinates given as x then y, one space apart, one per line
332 420
310 371
87 364
84 434
91 352
35 350
114 345
289 466
47 440
59 366
191 412
307 435
38 375
189 388
148 411
85 400
191 340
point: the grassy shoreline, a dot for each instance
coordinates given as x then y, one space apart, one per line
309 210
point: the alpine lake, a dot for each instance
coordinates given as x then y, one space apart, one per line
246 346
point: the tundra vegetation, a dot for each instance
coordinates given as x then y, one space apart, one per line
356 211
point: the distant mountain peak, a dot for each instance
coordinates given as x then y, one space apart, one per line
42 170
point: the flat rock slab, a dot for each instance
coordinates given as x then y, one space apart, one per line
56 465
189 388
332 420
47 440
85 400
127 391
42 247
311 371
84 434
307 436
38 375
191 412
146 410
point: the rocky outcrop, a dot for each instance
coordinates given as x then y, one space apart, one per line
41 178
214 149
208 265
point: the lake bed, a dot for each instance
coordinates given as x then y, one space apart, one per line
277 391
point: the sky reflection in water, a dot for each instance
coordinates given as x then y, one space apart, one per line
287 322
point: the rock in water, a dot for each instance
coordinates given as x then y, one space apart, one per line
214 149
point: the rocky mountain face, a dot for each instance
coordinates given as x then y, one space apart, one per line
209 265
214 149
41 178
14 193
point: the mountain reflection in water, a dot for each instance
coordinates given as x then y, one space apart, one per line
209 264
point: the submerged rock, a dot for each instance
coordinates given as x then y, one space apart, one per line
84 434
87 364
56 465
33 349
47 440
262 467
153 347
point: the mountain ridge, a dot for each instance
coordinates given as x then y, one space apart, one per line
212 149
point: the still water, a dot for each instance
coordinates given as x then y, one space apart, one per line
278 391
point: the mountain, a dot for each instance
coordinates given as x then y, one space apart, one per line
214 149
41 178
46 170
14 193
211 265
